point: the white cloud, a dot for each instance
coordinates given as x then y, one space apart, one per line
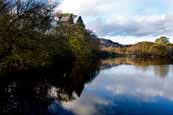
128 18
134 26
96 7
130 39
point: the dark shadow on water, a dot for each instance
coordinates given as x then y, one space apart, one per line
41 92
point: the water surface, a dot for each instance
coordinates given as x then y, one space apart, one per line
124 86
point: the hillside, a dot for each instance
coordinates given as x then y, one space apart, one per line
109 43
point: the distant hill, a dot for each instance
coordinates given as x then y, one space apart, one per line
109 43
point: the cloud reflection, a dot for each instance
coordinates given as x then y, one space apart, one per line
127 89
126 80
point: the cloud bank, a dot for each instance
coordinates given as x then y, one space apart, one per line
124 18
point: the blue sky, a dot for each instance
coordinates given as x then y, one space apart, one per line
124 21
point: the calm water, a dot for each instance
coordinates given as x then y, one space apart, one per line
114 86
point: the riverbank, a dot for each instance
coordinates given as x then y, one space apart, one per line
143 49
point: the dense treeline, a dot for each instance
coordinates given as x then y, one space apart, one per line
160 48
33 35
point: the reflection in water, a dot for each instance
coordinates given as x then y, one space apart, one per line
136 61
159 66
41 93
127 88
162 70
122 86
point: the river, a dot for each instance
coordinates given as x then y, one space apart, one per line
122 86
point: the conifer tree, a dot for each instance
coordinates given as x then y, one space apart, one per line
80 22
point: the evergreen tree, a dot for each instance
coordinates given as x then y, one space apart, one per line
80 22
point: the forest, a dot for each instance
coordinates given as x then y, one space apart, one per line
33 35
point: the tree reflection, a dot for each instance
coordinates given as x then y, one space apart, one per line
161 71
160 66
41 92
136 61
